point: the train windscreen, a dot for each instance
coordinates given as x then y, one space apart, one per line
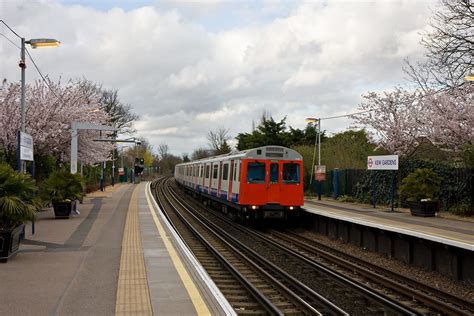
256 172
291 173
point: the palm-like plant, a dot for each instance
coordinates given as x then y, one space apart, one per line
17 198
63 186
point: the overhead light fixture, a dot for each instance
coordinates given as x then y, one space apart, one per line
43 42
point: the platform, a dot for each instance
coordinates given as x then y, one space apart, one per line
434 243
118 256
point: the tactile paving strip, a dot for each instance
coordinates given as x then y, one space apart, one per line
133 297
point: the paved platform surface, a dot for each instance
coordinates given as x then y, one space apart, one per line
111 259
452 232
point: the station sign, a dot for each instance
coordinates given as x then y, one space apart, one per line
26 147
387 162
320 173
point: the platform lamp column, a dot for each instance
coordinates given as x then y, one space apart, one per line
317 144
35 43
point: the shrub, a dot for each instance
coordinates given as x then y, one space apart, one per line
462 209
63 186
17 198
423 183
346 198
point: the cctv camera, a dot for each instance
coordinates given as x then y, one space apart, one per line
138 142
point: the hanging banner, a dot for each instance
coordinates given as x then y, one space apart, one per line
320 173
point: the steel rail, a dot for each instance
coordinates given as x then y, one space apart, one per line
219 235
268 306
373 272
384 300
315 297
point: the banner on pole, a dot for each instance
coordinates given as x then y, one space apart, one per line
320 173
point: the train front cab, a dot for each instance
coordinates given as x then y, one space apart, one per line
271 188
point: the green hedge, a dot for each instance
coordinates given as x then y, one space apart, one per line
456 195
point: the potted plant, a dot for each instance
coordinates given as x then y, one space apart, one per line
17 205
419 188
63 189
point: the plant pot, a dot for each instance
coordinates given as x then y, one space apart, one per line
425 208
10 242
63 209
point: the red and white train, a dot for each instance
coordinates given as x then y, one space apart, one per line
264 182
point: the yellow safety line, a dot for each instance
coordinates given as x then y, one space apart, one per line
133 297
196 298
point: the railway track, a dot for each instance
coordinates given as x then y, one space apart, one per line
434 298
247 289
324 290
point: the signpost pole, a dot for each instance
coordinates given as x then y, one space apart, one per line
18 152
374 188
392 194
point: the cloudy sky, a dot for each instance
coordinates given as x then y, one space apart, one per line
187 67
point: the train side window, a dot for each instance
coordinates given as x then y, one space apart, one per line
225 172
255 172
214 172
274 173
291 173
208 171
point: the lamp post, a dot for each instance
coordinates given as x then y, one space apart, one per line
317 142
35 43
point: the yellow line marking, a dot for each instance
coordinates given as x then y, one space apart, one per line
193 292
133 297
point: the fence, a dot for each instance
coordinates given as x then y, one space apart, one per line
457 186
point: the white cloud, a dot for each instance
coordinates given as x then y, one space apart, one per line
185 71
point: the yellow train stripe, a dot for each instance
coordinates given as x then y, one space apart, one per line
193 292
133 297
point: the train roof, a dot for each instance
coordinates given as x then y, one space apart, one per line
265 152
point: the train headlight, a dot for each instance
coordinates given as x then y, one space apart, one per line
291 208
254 207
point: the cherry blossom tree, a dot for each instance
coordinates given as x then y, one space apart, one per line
448 118
400 119
50 109
393 119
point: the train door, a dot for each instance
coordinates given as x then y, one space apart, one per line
273 184
219 180
207 181
214 178
236 182
231 180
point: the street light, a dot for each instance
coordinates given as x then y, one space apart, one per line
35 43
316 141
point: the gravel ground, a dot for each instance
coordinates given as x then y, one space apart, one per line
458 288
